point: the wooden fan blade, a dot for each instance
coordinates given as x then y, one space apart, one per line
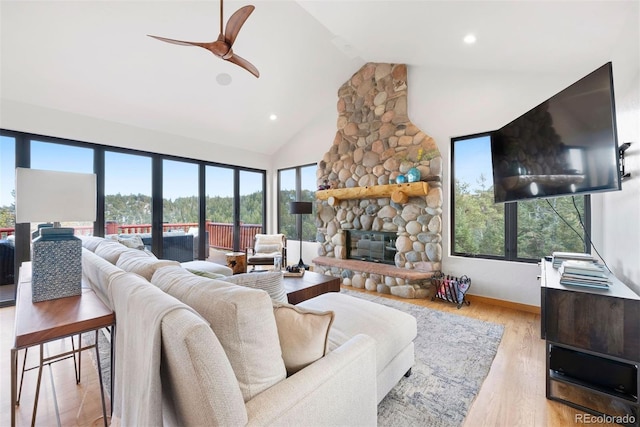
235 23
180 42
238 60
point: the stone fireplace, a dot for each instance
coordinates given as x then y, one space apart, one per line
375 143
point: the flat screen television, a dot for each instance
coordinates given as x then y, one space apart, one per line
567 145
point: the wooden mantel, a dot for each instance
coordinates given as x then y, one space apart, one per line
399 193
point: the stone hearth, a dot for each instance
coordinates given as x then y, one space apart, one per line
375 143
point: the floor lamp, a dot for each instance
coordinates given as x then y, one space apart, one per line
300 208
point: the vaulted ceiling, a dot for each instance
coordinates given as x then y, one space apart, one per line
93 58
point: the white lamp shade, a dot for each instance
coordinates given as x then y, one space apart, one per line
54 196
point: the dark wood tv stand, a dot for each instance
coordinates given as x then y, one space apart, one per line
592 347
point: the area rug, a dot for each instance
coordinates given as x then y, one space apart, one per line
453 356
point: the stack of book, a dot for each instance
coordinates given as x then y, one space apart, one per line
559 257
583 273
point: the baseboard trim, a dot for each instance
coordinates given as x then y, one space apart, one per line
502 303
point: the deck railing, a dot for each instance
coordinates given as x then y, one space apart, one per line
220 234
6 232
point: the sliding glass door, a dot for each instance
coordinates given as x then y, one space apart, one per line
8 275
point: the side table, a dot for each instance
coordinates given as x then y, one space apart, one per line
237 261
39 323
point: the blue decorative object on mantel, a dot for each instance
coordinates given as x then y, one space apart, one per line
57 265
401 179
413 175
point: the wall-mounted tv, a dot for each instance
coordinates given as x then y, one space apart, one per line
567 145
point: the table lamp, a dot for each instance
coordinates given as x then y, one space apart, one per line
300 208
54 196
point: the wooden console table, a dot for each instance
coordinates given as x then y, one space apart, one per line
39 323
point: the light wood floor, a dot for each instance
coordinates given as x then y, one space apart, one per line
513 393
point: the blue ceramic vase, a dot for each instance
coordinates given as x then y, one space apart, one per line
413 175
401 179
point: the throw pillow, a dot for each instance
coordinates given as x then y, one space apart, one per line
133 242
304 335
270 281
208 267
207 274
268 243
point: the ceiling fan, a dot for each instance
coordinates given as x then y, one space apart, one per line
222 47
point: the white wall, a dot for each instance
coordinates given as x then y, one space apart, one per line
447 103
620 226
23 117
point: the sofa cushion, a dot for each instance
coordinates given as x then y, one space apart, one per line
111 251
140 263
392 329
304 335
270 281
97 272
242 319
91 242
207 267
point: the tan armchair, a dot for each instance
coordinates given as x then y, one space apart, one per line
265 248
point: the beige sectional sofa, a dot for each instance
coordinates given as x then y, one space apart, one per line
191 350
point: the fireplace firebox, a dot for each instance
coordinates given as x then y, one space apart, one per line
372 246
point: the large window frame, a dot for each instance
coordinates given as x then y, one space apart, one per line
510 212
23 159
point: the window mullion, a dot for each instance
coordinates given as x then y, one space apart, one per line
511 231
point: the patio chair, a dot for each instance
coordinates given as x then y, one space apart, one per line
265 248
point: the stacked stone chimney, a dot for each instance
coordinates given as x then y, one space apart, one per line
375 143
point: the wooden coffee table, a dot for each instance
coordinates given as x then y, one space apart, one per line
309 285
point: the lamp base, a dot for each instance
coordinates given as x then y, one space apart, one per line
57 265
301 264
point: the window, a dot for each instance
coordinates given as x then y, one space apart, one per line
179 195
219 211
127 193
65 158
7 186
7 219
251 198
297 184
521 231
287 194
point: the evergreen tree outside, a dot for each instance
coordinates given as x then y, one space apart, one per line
136 209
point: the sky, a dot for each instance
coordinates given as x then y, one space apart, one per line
472 158
126 173
131 174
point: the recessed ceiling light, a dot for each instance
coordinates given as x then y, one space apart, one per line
273 117
223 79
469 39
